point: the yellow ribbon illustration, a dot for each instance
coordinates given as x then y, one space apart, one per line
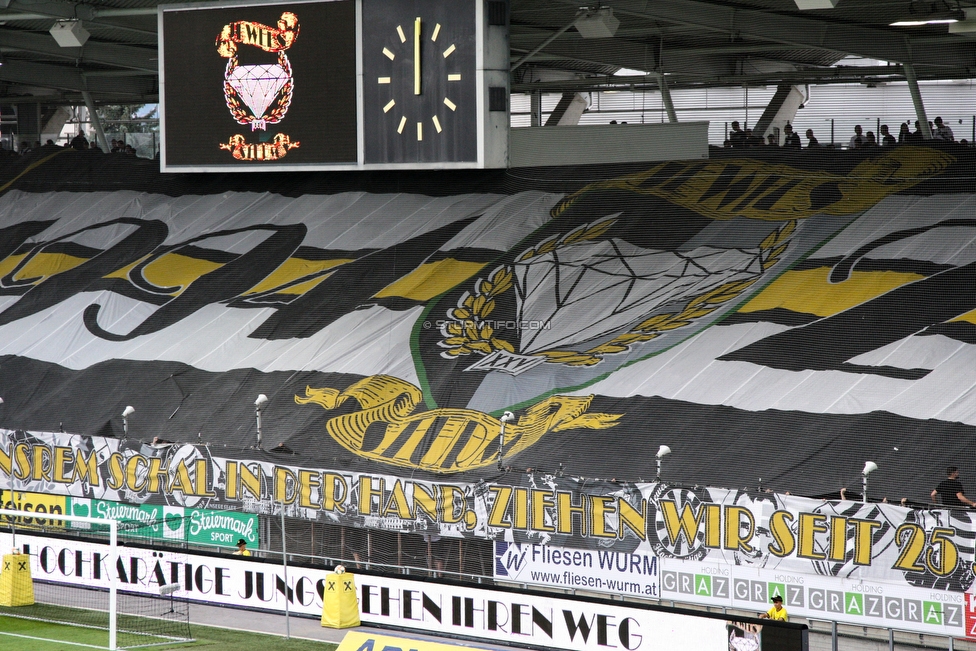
258 151
248 32
443 440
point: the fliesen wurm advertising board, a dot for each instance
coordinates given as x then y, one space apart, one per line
595 570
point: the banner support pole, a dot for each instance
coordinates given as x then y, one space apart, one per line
833 636
891 639
284 564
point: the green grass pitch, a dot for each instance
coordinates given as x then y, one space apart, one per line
28 635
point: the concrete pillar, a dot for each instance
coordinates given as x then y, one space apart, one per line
781 109
923 121
535 108
666 97
569 110
52 128
93 116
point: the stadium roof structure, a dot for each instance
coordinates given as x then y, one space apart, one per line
693 42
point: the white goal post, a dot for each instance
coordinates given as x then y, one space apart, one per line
113 529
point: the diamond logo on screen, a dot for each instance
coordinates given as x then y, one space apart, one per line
258 95
258 86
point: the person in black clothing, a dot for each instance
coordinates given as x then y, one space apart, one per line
950 492
904 134
792 138
79 142
887 139
917 135
813 142
738 136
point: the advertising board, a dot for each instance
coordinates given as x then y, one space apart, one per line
516 617
597 570
152 521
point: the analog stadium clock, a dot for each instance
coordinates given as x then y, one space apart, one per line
419 81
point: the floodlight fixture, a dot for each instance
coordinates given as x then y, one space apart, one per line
946 16
920 23
967 25
507 417
128 411
259 404
869 467
69 33
806 5
597 23
662 452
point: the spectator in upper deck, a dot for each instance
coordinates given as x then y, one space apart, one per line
951 492
943 132
792 138
915 136
904 134
79 142
887 139
812 141
857 139
738 136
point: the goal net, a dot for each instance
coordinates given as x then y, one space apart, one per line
78 592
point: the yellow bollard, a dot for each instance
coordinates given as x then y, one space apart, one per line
16 587
340 606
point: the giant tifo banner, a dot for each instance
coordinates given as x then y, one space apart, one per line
492 614
776 318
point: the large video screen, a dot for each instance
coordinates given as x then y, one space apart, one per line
259 87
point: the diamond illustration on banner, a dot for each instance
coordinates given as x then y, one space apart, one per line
258 86
591 289
584 286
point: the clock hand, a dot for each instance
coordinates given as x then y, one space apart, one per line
416 56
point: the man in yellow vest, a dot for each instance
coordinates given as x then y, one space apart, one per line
777 612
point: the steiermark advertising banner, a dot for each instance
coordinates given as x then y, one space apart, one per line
199 526
221 527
